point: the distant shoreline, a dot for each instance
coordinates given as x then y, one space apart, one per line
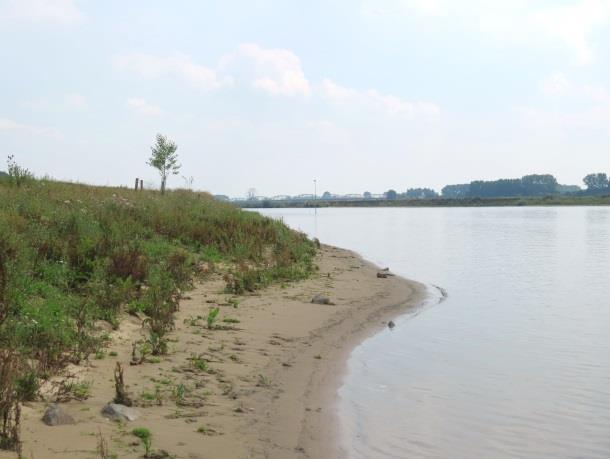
545 201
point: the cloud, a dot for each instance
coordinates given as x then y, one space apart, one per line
558 85
60 11
76 101
142 107
372 99
180 66
276 71
394 8
34 104
569 25
7 125
573 24
428 7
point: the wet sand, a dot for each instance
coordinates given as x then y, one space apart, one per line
268 383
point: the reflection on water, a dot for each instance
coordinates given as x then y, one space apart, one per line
515 363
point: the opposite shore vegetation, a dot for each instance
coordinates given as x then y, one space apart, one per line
74 255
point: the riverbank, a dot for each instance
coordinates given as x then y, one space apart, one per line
261 383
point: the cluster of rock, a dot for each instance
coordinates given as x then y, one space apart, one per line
56 415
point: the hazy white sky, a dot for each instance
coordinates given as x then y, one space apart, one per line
358 94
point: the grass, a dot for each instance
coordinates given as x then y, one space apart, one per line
145 437
73 254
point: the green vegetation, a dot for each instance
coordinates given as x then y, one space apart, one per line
164 158
72 254
212 315
145 437
529 190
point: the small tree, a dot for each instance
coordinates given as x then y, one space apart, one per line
164 158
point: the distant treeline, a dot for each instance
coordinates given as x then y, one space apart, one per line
527 186
534 189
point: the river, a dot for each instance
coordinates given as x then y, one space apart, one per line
514 364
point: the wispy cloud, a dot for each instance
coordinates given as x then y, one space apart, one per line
142 107
558 85
180 66
60 11
372 99
569 25
7 125
76 101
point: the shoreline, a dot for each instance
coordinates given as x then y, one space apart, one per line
322 432
269 385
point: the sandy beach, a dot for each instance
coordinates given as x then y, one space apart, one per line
261 384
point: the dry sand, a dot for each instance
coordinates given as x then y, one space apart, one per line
270 384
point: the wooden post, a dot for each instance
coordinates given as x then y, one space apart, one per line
137 180
141 185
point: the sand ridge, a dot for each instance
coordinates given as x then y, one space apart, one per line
261 384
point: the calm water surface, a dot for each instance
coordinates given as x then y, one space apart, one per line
514 364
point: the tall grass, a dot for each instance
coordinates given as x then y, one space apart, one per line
73 254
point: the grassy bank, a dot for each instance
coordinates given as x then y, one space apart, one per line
441 202
72 255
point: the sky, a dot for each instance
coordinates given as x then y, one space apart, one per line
359 95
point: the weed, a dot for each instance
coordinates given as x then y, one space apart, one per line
102 446
79 390
27 386
199 362
211 318
145 437
263 381
207 430
180 393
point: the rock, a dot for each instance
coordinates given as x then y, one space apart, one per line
321 299
117 412
391 324
382 275
56 416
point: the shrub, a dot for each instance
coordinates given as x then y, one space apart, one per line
160 300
